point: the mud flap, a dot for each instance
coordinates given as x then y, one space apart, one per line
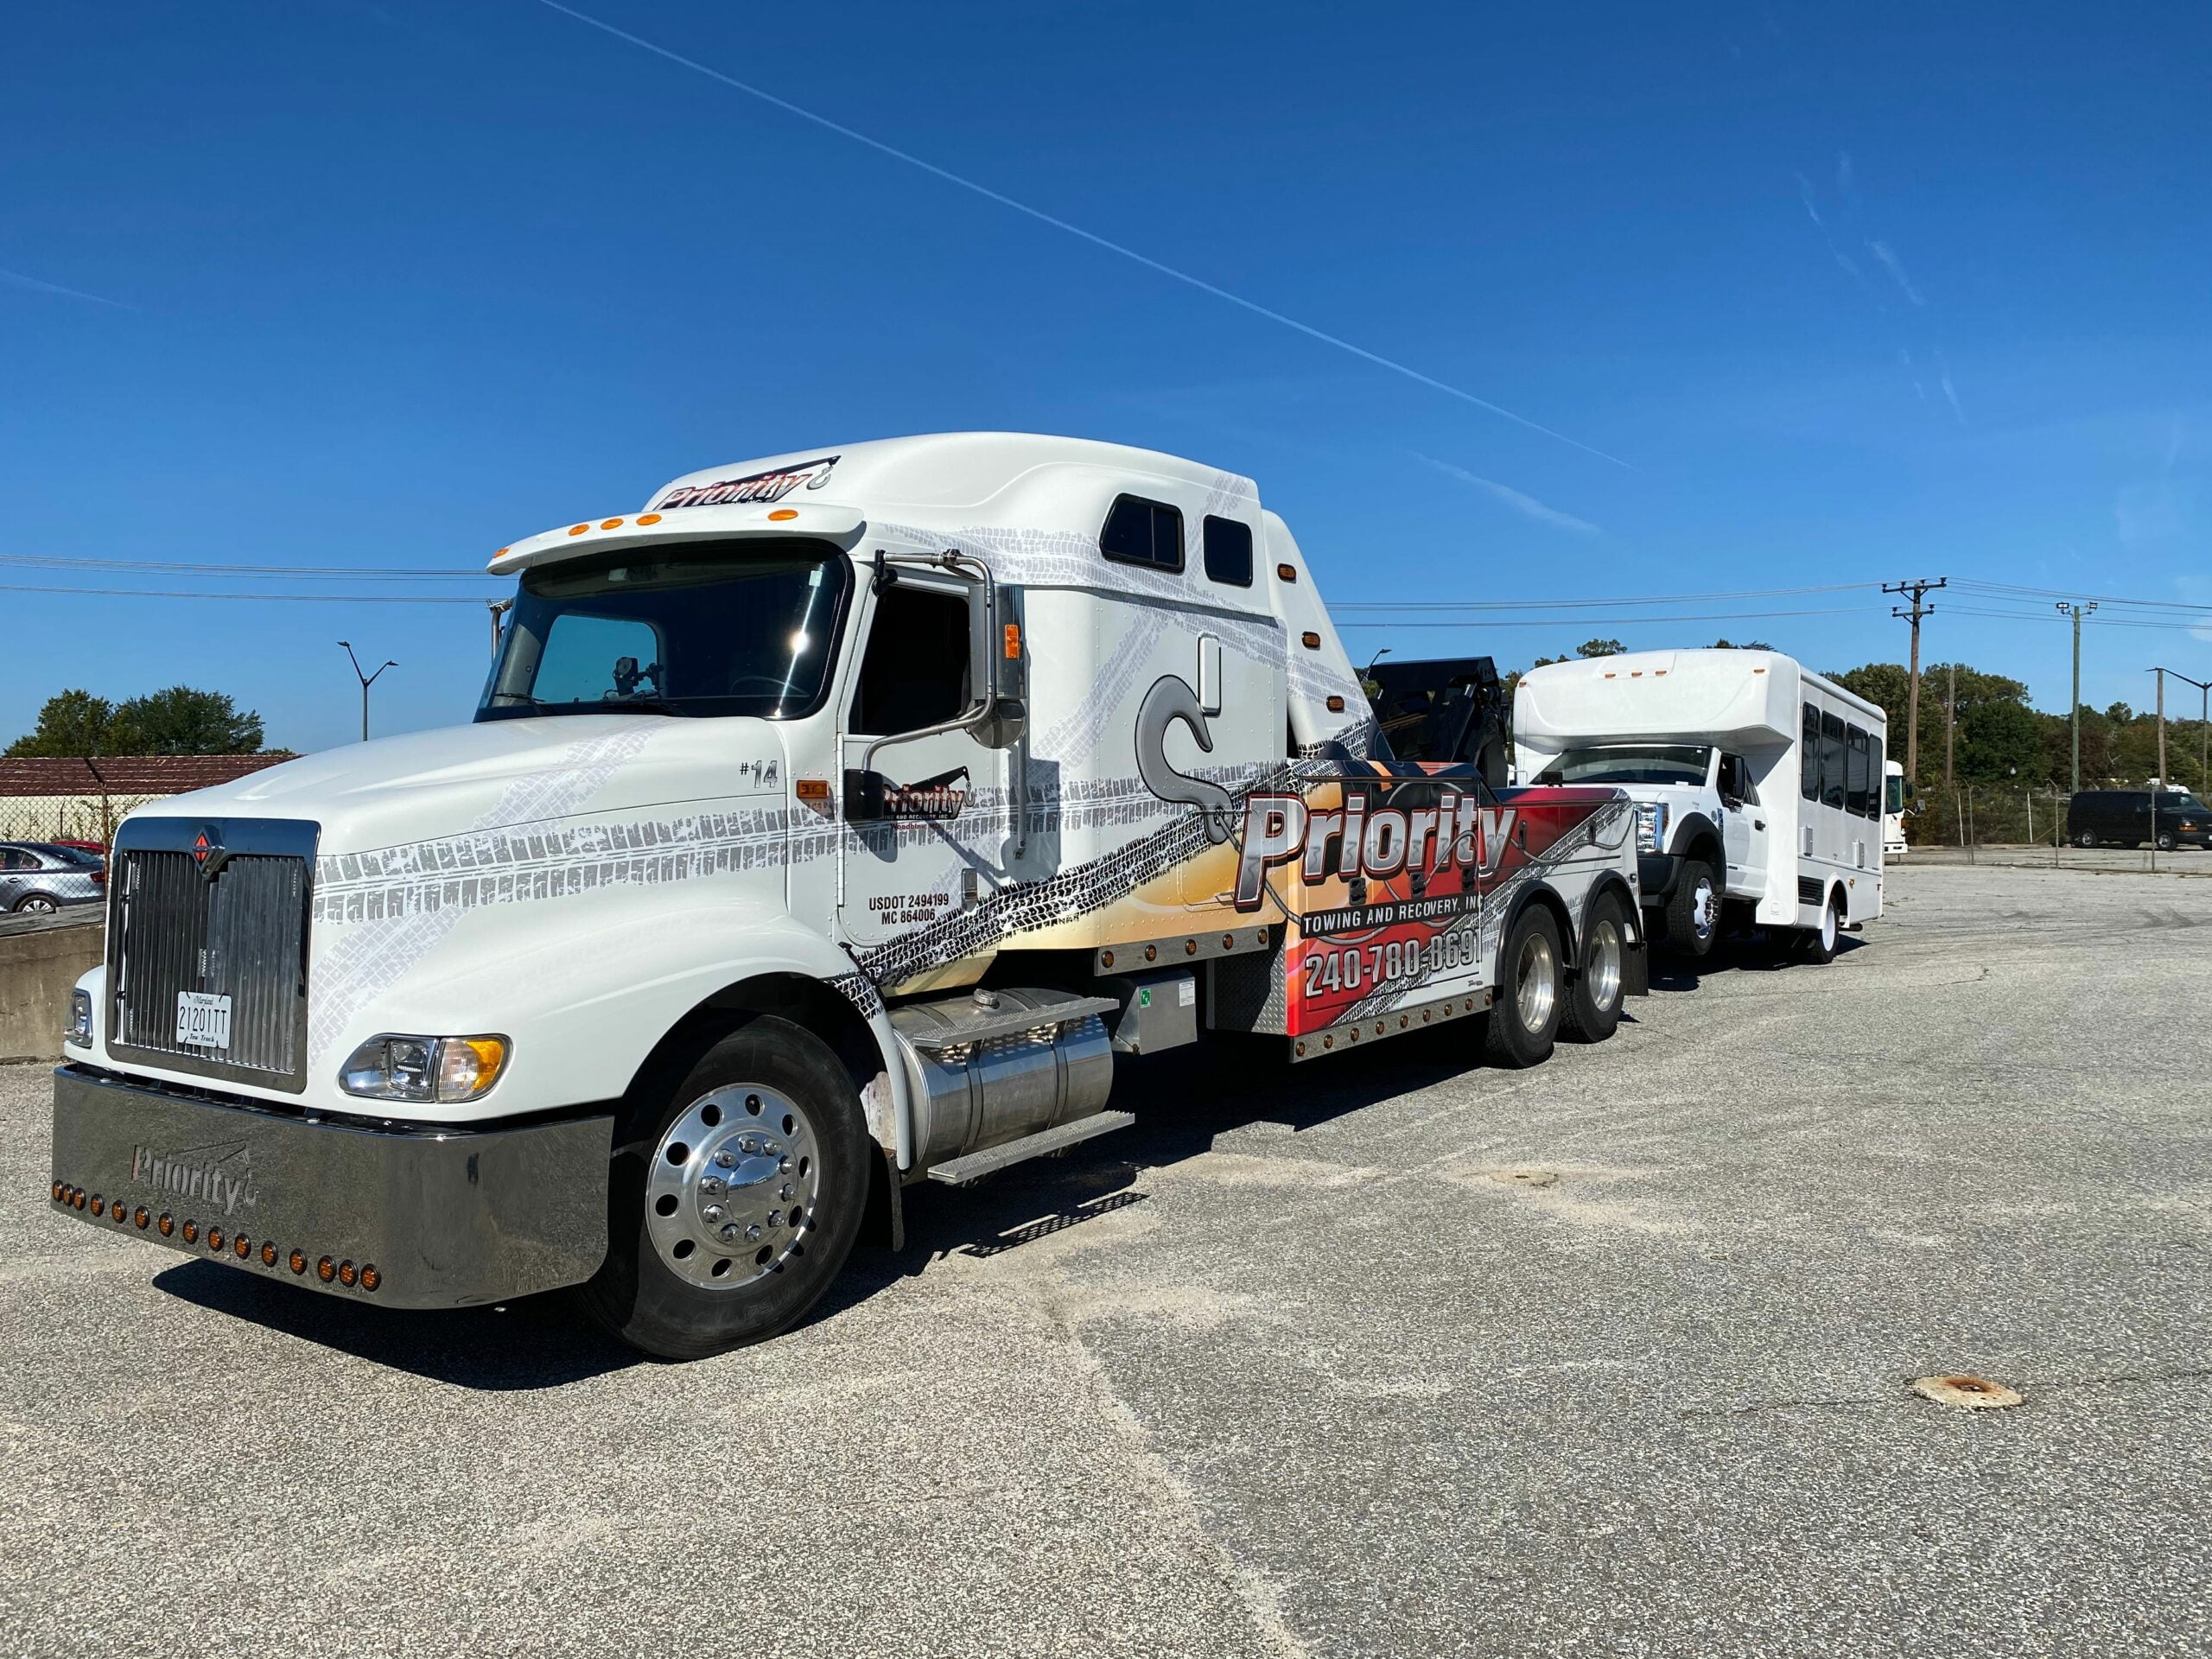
1635 970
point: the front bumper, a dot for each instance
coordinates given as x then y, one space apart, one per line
413 1217
1657 873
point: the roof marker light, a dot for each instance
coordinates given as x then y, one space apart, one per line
782 513
578 530
610 523
649 517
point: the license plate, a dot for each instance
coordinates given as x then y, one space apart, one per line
203 1020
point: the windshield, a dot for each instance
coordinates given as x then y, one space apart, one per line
1631 763
2171 803
728 627
1893 799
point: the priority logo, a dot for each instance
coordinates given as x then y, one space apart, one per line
1458 831
754 486
220 1174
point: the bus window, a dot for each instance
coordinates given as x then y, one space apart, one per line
1895 801
1833 764
1858 783
1808 755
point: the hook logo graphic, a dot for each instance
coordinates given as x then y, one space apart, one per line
1172 699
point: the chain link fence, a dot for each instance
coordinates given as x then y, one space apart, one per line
66 817
2005 823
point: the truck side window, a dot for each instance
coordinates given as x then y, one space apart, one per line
1229 552
1139 531
1808 755
915 672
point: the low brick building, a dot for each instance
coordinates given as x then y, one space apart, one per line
80 798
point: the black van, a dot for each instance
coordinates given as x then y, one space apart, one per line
2121 817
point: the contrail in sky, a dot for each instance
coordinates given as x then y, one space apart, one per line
985 191
18 279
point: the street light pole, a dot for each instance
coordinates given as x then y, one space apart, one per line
2074 712
366 680
2203 727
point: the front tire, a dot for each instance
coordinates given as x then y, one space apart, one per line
734 1198
2087 838
1593 1001
1693 911
37 905
2166 843
1523 1020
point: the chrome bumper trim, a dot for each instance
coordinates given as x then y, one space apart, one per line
448 1218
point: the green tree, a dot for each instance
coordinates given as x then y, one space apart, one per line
75 722
182 721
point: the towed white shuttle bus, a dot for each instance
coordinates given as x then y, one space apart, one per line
1760 786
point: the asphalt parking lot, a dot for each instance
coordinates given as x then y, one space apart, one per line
1379 1357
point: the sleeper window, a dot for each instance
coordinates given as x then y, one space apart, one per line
915 672
1139 531
1229 552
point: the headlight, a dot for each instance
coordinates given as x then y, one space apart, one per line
446 1069
1650 826
80 1020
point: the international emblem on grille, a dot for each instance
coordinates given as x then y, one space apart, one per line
208 851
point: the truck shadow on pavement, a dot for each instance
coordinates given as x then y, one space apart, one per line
1752 954
532 1342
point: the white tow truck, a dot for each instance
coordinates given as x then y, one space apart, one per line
1759 786
829 824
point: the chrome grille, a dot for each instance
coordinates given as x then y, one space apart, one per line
239 932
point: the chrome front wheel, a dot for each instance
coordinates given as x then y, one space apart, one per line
731 1189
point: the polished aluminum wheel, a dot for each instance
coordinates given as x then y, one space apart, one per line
1601 963
1705 908
731 1192
1535 983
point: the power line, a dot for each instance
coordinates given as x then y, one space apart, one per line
249 599
1997 589
319 572
1579 604
1607 621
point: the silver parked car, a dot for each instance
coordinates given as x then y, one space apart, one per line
39 878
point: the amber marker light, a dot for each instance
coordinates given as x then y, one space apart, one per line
80 1198
166 1225
268 1253
1336 705
99 1204
1286 572
299 1262
57 1192
215 1238
812 789
649 517
242 1247
783 515
370 1277
1310 640
140 1218
610 524
578 530
346 1274
326 1270
191 1232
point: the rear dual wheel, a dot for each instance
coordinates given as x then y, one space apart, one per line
1594 1000
1525 1017
734 1197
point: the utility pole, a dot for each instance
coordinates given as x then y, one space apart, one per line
2204 729
2161 673
366 680
1950 718
1919 591
498 607
2074 711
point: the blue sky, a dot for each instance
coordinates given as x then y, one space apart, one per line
1845 295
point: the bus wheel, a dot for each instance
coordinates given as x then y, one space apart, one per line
1524 1019
735 1198
1820 942
1593 1001
1693 912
